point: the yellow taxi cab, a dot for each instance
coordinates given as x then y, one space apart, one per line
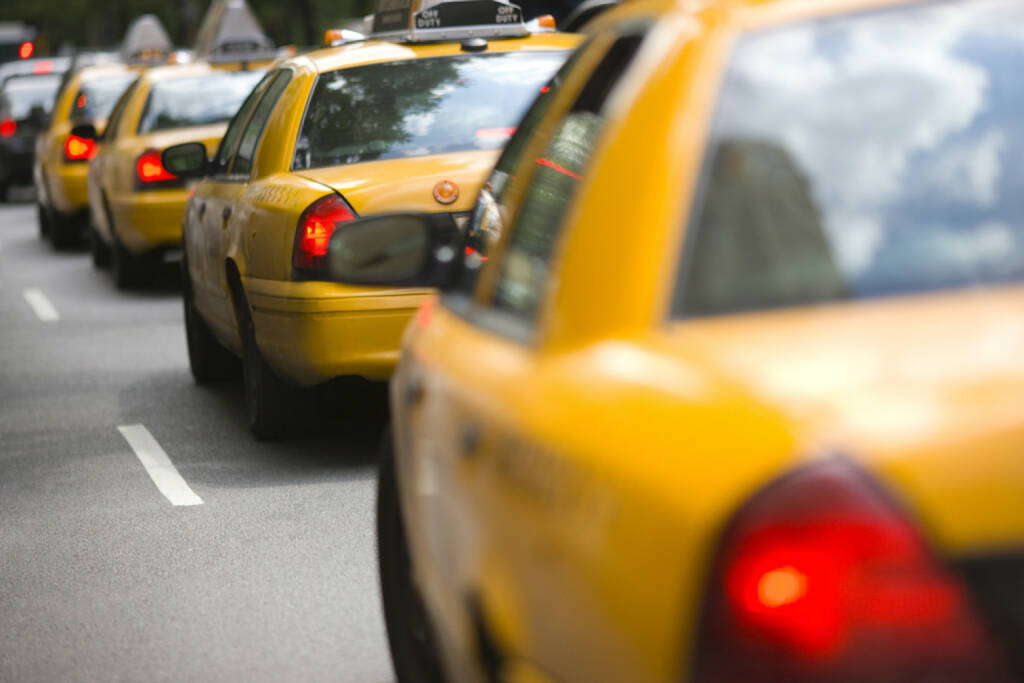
136 206
361 128
87 96
736 394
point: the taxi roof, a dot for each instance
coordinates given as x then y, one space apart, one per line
367 52
171 72
94 71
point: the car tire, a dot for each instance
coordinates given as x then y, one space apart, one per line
410 635
208 360
268 399
62 231
43 217
5 190
125 266
98 250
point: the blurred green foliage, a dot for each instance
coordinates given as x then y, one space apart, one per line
96 23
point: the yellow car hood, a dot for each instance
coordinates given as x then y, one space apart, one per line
927 392
208 135
407 184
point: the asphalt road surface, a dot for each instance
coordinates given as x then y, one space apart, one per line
271 578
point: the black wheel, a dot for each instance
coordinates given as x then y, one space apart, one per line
208 360
62 231
5 190
99 250
43 216
268 399
126 267
410 636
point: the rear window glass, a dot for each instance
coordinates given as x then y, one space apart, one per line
97 96
865 155
197 100
420 107
21 95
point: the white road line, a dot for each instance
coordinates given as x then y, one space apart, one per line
158 466
41 305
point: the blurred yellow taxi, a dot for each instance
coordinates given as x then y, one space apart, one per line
364 127
136 206
87 97
736 394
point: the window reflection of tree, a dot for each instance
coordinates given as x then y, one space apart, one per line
524 272
337 130
760 239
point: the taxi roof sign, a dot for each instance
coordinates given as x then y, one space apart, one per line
447 20
145 40
230 29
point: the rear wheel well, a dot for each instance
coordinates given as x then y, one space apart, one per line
238 299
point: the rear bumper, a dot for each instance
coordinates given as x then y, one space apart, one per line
67 188
15 164
312 332
147 221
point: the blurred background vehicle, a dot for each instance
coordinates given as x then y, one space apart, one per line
87 97
25 106
136 205
17 41
361 128
744 406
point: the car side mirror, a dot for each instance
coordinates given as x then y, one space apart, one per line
86 131
397 250
187 160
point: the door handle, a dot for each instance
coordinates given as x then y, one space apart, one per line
225 214
202 210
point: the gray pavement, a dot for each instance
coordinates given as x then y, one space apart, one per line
272 578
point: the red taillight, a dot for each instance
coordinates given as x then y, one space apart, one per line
316 225
79 149
821 578
26 49
8 127
150 169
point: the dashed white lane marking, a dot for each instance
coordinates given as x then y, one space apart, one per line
42 306
158 466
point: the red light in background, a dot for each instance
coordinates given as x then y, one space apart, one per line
81 101
494 133
150 169
26 49
43 67
545 89
79 149
561 169
8 127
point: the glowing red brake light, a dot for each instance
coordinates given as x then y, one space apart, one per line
8 127
316 225
150 169
79 149
43 67
26 49
822 578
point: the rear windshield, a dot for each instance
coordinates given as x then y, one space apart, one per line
97 96
21 95
419 107
197 100
867 155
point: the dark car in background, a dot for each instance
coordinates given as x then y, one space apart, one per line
25 106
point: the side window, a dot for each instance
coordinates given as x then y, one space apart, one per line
257 122
485 226
524 267
114 123
230 140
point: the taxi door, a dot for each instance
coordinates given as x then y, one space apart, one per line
104 178
480 496
207 216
